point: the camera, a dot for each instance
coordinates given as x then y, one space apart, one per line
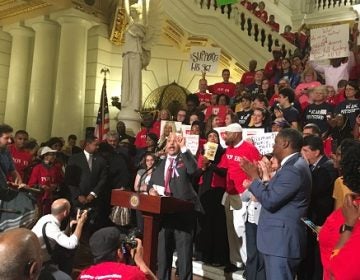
130 239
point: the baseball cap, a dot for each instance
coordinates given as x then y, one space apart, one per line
46 150
104 241
234 127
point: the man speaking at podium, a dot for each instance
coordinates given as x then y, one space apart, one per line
173 178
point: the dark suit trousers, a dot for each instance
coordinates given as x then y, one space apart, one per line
279 268
176 231
255 267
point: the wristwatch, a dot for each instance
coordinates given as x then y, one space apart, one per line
345 227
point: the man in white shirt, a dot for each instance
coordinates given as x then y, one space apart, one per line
50 225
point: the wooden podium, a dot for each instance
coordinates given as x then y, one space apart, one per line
152 208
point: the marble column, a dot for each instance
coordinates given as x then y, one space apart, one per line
5 52
43 74
68 115
16 104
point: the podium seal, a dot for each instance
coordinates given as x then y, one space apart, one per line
134 200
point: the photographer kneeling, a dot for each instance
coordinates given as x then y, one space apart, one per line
57 247
113 252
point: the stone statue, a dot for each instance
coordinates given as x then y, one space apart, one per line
135 58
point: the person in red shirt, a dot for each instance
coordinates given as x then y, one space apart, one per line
140 139
339 237
247 4
261 13
48 176
203 95
274 25
112 255
20 156
225 86
248 77
274 65
237 148
288 35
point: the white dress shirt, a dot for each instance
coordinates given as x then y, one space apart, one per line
54 234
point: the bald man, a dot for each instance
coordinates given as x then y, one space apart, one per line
20 255
50 224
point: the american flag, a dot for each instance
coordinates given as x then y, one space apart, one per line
102 120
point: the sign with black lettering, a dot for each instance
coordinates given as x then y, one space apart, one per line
204 59
329 42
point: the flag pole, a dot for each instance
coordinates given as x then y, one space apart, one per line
104 71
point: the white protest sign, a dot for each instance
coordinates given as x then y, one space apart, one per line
221 131
192 143
186 129
264 142
204 59
329 42
250 132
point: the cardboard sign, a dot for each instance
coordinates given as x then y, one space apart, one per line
204 59
329 42
264 142
170 125
210 150
192 143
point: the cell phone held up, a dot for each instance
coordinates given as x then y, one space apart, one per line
314 228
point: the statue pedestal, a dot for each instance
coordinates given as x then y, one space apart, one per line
131 119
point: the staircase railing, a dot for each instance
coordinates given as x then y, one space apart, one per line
250 24
330 4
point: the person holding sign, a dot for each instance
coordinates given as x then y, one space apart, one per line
212 238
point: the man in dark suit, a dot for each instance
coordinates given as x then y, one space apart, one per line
321 202
281 236
88 190
173 178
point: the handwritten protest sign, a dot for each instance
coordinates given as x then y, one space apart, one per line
264 142
186 129
329 42
250 132
192 142
204 59
221 130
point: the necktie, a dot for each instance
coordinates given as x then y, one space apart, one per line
90 161
312 167
169 172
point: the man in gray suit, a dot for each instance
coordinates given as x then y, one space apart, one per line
281 236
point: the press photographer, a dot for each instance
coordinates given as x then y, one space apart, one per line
58 247
113 255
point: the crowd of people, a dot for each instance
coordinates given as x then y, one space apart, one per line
248 207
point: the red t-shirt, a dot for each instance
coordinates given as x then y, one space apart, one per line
248 78
156 127
22 159
289 36
235 175
345 264
262 15
328 238
218 110
140 139
274 26
112 271
223 88
46 175
204 97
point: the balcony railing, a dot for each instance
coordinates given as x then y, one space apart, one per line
330 4
250 24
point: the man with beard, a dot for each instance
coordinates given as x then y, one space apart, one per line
237 148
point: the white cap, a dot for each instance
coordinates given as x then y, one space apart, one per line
46 150
234 127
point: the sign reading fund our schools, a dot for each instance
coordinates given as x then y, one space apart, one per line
329 42
204 59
